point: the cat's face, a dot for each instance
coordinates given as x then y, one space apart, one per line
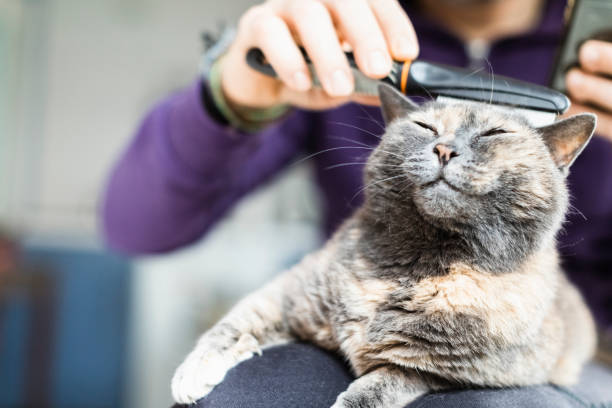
461 159
467 163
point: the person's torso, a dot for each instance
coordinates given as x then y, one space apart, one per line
351 131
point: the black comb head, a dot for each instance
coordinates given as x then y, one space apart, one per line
430 79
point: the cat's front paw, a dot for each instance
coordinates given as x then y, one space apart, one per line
340 403
206 367
368 398
346 400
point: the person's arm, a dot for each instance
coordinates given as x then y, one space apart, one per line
184 170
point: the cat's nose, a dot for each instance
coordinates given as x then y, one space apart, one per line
445 153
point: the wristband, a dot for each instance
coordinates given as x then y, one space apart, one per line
246 119
243 118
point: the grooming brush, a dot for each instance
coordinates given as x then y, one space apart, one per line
540 105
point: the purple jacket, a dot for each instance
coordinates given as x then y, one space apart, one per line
184 170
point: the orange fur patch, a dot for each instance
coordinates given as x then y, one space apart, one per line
509 302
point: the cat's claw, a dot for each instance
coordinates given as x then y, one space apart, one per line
205 367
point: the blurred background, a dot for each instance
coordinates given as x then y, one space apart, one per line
79 326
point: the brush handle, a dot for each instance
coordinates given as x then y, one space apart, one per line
363 85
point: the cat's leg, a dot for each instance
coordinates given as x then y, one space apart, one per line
254 322
387 386
579 338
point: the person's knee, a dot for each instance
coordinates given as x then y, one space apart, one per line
304 376
544 396
293 375
593 390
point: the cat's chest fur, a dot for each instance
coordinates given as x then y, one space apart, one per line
440 321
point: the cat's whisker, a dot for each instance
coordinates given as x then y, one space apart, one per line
357 128
364 110
572 244
346 139
415 168
481 87
374 183
376 195
472 73
492 80
427 92
392 154
335 166
371 120
366 146
575 210
383 166
408 184
325 151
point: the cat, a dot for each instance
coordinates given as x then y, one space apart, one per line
446 277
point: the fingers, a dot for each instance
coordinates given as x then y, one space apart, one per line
585 86
604 119
318 99
376 30
272 35
360 29
596 57
315 99
588 88
314 26
397 28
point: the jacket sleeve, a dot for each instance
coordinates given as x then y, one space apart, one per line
183 170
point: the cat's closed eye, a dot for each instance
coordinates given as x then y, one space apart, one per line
426 126
493 132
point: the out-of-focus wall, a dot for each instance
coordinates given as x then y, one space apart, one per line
11 55
76 77
80 75
177 296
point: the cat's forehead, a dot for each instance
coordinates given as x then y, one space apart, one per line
448 117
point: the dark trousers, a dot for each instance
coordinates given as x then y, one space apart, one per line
303 376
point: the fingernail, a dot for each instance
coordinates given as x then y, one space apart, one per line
300 81
590 54
404 49
340 83
574 79
378 63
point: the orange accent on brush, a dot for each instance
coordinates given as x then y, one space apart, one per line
404 78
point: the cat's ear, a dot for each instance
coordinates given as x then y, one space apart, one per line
568 137
393 103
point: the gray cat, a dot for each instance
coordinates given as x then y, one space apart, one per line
446 277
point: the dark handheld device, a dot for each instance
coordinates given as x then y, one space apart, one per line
586 19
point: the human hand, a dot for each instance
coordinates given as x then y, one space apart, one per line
376 30
592 84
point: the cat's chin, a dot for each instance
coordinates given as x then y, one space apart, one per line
440 200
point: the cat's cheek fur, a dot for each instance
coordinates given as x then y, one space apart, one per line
423 170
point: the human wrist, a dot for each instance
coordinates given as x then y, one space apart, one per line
246 118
